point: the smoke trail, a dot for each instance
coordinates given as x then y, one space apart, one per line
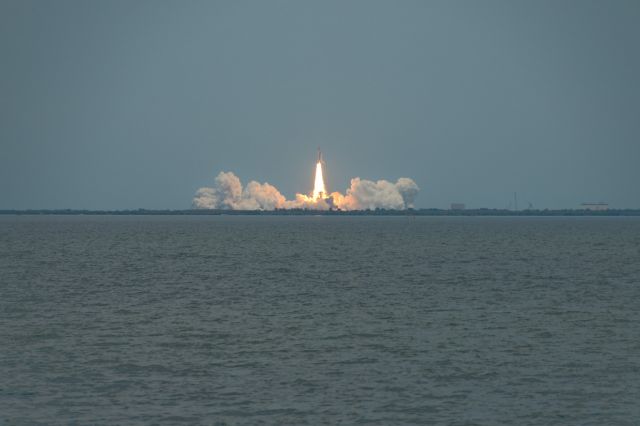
228 193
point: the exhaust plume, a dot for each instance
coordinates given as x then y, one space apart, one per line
318 185
228 193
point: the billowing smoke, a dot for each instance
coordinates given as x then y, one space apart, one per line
228 193
365 194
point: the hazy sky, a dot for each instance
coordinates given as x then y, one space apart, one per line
128 104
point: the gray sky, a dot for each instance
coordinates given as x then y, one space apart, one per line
128 104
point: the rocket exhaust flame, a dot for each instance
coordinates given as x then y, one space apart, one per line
319 190
228 193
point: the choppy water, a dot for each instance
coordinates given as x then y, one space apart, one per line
310 320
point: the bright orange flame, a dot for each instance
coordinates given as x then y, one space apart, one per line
319 192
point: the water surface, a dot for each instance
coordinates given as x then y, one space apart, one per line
310 320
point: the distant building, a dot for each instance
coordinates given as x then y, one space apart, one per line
595 206
457 206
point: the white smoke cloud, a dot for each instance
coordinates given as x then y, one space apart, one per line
228 193
365 194
408 189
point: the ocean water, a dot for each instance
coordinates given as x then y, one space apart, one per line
319 320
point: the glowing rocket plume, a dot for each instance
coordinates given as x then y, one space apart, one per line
319 190
229 193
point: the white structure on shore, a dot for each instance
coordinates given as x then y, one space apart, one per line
600 206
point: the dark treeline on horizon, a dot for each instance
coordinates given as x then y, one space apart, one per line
304 212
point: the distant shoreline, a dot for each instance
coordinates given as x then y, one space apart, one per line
301 212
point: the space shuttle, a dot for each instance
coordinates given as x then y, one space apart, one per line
319 155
